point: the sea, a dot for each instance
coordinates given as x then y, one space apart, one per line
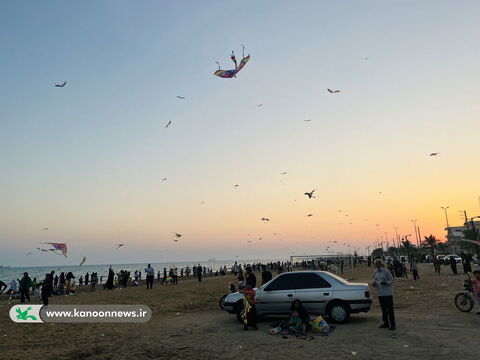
9 273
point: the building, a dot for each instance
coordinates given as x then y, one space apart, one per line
455 233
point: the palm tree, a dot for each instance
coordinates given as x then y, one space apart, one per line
430 242
407 245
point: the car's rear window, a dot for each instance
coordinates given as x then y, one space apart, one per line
336 277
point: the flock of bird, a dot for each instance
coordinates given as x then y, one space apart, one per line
308 194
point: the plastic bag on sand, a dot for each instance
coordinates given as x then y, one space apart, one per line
319 325
275 330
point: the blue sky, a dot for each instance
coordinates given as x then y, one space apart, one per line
87 160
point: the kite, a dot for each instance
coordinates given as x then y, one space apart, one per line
310 194
61 85
42 249
58 247
181 97
119 246
434 154
283 173
83 261
228 74
177 235
309 215
28 254
236 186
258 105
166 127
44 229
265 220
333 91
164 179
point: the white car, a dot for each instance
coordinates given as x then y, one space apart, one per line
457 258
321 292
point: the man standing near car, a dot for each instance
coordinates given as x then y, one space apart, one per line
250 277
266 275
383 282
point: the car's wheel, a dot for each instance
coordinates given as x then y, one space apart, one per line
220 302
239 310
463 302
338 312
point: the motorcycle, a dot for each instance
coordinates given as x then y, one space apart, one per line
464 300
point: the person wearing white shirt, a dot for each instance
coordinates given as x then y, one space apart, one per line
150 274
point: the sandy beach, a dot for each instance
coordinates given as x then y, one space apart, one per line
187 323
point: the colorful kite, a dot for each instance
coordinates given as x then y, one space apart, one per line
62 247
83 261
227 74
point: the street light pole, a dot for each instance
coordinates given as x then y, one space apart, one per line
446 216
415 228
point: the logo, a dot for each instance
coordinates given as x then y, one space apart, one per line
26 313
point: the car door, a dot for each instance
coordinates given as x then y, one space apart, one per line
313 291
277 296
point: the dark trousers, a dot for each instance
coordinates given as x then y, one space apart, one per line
386 303
251 317
45 298
415 275
199 278
149 281
24 294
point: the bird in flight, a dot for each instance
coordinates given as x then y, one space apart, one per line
434 154
258 105
333 91
260 238
61 85
119 246
177 235
44 229
310 194
265 220
164 179
307 120
236 186
380 192
309 215
181 97
283 173
166 127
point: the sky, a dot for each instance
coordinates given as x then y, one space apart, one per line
87 160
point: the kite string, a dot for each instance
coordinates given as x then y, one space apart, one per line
218 65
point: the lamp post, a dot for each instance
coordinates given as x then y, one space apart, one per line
446 215
415 228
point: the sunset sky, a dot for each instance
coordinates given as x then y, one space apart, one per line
87 160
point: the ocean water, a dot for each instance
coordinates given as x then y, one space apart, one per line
7 274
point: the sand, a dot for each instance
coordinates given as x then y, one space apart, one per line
187 323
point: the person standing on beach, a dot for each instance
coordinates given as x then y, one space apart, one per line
25 285
199 273
266 275
453 265
235 269
414 269
383 282
250 277
436 265
109 284
164 279
44 289
150 273
87 278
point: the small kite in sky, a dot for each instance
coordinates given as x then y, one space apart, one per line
83 261
333 91
29 253
236 186
283 173
44 229
42 249
307 120
168 124
119 246
265 220
435 154
202 203
310 194
227 74
164 179
181 97
61 85
258 105
309 215
260 238
177 235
